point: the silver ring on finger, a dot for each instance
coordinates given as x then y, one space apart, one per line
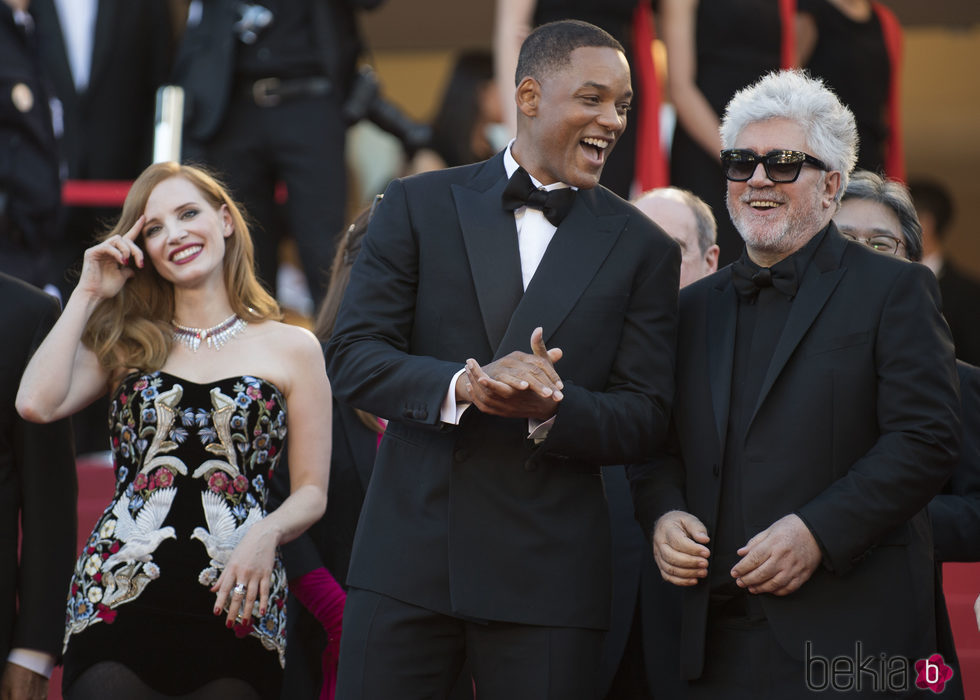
238 590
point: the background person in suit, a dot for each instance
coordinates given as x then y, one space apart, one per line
960 290
104 58
879 213
688 220
797 526
265 86
640 657
485 531
38 489
30 189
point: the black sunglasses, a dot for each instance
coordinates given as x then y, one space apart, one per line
781 165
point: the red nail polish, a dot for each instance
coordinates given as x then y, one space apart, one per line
228 624
217 610
262 611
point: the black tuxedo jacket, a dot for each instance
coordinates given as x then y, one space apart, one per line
855 429
475 520
38 489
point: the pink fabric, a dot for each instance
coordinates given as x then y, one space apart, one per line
320 593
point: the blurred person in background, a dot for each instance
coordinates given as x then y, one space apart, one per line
468 125
960 290
104 58
265 90
688 220
714 48
879 212
640 655
855 47
30 186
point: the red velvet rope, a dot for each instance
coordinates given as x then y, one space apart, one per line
112 193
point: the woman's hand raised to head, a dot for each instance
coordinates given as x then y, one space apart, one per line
106 266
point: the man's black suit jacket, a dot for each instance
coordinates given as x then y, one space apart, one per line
38 489
475 520
109 126
855 429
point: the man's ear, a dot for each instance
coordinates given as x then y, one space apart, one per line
832 183
711 258
528 96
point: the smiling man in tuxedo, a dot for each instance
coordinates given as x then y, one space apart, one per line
485 531
816 415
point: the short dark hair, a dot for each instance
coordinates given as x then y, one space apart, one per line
549 46
930 196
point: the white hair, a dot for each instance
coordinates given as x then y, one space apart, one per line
794 95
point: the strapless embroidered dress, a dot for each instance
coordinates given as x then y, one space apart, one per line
193 464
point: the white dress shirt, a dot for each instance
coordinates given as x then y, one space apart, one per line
77 18
534 234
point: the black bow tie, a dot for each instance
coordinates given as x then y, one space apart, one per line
521 192
749 279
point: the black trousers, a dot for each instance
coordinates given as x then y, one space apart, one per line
391 650
744 661
301 143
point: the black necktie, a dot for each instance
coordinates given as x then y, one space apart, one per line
521 192
749 279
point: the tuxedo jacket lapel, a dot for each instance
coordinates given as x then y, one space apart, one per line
720 337
821 278
576 252
490 237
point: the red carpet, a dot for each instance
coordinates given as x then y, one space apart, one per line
962 581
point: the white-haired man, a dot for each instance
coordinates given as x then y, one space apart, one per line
815 416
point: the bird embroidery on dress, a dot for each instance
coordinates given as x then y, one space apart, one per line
222 535
141 535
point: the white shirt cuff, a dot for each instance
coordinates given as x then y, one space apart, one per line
39 662
538 430
450 412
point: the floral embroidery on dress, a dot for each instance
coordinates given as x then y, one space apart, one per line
241 437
